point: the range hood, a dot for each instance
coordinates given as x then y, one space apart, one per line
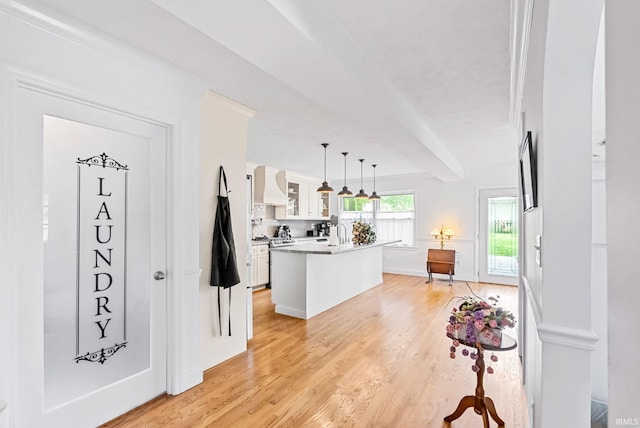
266 188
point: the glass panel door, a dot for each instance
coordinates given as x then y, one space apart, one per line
90 314
499 236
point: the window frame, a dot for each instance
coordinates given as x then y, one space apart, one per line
376 209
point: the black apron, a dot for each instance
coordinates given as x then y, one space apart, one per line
224 265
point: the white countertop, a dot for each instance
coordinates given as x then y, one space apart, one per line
314 247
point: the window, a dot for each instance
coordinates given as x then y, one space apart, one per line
393 216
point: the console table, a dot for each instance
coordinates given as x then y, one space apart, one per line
482 405
441 261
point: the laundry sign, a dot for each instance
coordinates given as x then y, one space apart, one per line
101 277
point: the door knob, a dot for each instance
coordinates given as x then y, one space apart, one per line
159 275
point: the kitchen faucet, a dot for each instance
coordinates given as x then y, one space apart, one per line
343 240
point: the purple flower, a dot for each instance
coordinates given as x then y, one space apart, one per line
478 315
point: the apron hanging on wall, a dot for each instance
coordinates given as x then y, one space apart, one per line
224 266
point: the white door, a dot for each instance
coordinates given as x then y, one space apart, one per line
90 316
498 238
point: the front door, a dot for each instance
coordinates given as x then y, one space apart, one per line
92 328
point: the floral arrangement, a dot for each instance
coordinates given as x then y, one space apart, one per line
363 233
479 322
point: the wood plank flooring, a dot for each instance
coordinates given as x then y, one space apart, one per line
380 359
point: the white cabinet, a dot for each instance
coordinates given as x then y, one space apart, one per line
303 200
259 265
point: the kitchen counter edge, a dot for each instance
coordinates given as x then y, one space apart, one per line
324 248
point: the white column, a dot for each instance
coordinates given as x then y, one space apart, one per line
557 107
623 205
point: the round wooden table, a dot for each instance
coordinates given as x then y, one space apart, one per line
482 404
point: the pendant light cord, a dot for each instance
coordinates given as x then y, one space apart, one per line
345 168
325 161
374 178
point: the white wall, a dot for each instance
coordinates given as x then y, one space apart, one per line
623 205
223 142
452 204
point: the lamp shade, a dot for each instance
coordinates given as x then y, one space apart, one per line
325 188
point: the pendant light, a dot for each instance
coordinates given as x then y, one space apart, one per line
374 195
345 190
325 188
361 194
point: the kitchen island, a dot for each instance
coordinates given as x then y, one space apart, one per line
310 277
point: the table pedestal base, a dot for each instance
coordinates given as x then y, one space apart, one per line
484 407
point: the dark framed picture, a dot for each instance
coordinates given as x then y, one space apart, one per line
528 174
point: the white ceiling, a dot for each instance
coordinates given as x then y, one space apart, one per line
415 86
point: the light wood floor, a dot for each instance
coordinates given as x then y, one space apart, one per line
380 359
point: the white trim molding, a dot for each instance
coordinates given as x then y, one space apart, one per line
567 336
521 16
229 104
192 273
555 333
536 308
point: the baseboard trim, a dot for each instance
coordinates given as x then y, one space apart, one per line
189 380
423 273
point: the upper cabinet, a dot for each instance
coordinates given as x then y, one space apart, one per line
303 200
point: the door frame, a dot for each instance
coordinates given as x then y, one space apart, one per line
483 195
182 271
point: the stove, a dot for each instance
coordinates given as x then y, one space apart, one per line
281 242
